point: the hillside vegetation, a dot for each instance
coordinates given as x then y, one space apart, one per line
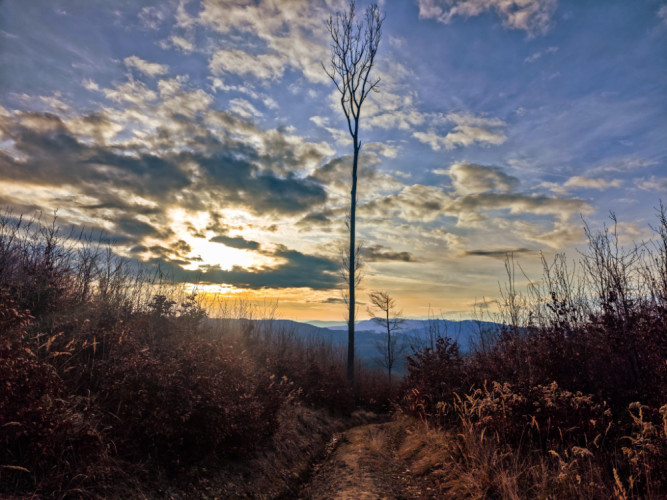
569 400
111 387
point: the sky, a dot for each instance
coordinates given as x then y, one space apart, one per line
205 137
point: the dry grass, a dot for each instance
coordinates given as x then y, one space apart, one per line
569 399
112 382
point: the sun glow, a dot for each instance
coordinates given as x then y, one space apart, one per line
211 253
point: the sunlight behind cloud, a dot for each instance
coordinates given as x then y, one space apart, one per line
210 143
211 253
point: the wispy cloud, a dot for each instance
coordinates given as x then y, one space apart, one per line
537 55
588 183
533 16
263 66
145 67
662 14
467 130
653 183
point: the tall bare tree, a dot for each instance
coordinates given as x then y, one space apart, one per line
354 45
390 320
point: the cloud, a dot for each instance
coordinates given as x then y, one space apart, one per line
295 270
240 181
476 192
174 151
152 17
662 14
333 300
131 92
179 43
263 66
537 55
336 176
235 242
148 68
468 130
532 16
653 183
320 220
469 178
387 150
588 183
95 126
416 203
517 203
559 237
243 108
500 253
136 228
285 35
378 253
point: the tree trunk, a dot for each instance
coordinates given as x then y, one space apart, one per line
352 269
390 360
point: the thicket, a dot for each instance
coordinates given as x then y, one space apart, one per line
106 377
569 398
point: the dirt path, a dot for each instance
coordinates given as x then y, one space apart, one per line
362 464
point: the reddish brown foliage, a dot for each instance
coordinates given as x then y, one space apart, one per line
567 372
107 380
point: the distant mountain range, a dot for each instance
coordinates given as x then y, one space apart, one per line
413 335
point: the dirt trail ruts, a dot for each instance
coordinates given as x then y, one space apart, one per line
361 465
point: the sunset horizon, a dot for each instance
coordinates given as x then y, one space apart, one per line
205 139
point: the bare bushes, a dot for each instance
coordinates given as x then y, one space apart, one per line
105 374
574 384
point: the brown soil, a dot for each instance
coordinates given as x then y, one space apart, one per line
364 463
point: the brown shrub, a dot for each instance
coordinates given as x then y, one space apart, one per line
112 376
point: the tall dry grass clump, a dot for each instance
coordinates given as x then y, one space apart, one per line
109 378
569 399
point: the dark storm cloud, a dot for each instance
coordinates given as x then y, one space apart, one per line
377 253
235 242
298 270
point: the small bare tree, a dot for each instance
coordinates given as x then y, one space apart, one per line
354 45
391 321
